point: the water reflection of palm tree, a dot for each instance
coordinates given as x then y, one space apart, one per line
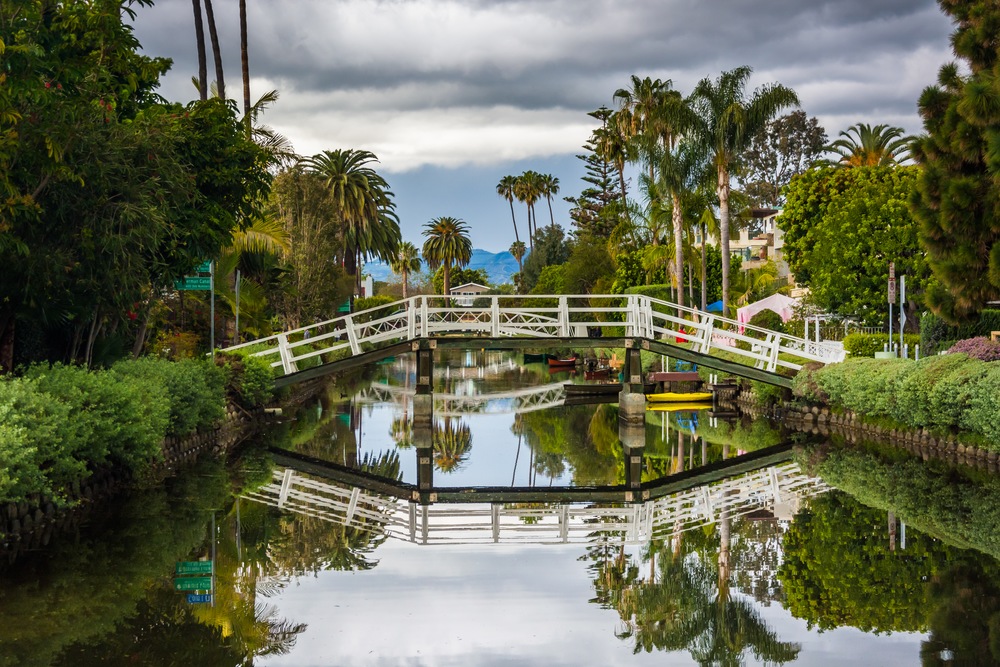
452 444
401 431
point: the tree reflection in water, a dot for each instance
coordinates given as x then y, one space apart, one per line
452 444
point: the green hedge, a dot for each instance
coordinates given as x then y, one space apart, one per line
866 345
947 393
60 423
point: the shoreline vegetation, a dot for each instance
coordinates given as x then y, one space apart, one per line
59 424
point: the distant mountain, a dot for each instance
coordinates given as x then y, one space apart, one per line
499 266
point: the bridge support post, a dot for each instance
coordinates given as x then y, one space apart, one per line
632 400
425 366
633 439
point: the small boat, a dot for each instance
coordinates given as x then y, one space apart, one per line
562 363
597 374
680 397
598 389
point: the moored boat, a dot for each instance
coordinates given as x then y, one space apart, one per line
593 389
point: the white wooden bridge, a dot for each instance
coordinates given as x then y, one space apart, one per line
778 488
542 318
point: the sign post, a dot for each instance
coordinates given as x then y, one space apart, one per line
902 309
892 297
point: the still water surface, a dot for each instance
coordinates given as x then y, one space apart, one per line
770 565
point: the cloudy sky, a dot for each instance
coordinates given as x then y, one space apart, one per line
451 95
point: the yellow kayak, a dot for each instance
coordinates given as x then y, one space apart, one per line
680 397
678 407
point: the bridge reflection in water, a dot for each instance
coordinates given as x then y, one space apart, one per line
660 510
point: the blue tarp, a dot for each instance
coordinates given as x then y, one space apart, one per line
715 307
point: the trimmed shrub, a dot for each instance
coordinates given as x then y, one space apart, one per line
950 396
983 414
768 319
249 379
866 345
914 398
977 348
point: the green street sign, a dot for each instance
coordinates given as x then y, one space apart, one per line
194 283
193 584
194 567
204 267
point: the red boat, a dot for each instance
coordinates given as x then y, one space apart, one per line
562 363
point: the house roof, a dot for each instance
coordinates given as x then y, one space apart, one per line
467 287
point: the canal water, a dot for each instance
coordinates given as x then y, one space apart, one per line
541 539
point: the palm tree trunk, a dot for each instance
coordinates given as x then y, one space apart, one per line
216 51
199 36
722 188
552 220
677 217
245 60
513 219
704 270
404 283
447 280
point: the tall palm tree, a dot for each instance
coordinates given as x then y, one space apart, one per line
727 123
611 144
216 48
363 201
447 243
639 109
862 145
199 34
405 261
549 187
505 188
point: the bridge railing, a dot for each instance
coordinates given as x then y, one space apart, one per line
542 316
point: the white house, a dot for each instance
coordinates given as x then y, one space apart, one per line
466 294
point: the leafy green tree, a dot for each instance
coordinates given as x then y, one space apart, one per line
842 229
787 146
405 262
551 248
958 186
447 244
862 145
589 267
363 204
728 122
309 287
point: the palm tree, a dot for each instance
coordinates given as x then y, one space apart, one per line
549 187
363 201
862 145
447 243
505 188
611 145
518 250
527 189
727 123
199 34
405 261
216 49
452 444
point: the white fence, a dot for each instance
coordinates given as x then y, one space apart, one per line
533 316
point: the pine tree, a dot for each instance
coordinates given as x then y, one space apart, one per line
596 210
958 193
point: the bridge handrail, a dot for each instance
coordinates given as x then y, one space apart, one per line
516 315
